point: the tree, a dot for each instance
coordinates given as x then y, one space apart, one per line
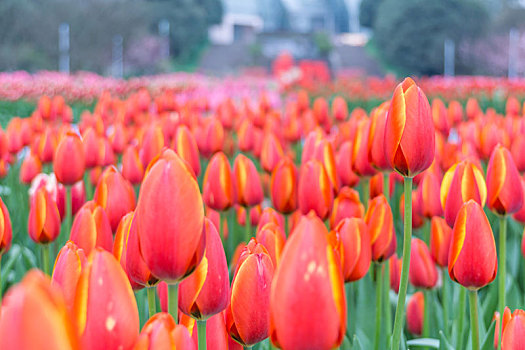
367 12
410 34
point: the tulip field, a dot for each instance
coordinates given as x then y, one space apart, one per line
183 211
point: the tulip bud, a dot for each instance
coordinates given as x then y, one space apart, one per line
381 228
78 197
415 312
520 214
428 193
247 314
514 331
462 182
157 333
360 162
247 182
34 317
310 265
315 191
344 165
284 186
31 167
357 251
325 154
472 260
115 195
376 138
339 108
93 153
44 220
46 145
346 205
6 231
272 237
269 215
105 320
132 168
185 146
69 160
440 235
151 145
206 291
504 191
271 152
170 216
67 270
423 272
409 131
91 228
217 188
214 137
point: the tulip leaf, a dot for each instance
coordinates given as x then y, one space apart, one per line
488 342
356 344
29 258
14 254
444 343
424 343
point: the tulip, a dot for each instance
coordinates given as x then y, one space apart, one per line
428 193
270 215
132 168
423 272
105 320
346 205
272 237
67 270
283 186
31 167
214 137
513 334
118 137
217 188
185 146
324 153
91 228
247 314
381 228
357 252
271 152
205 292
169 218
34 316
376 138
308 264
46 145
415 312
115 195
161 332
440 235
339 108
151 145
462 182
344 165
69 159
6 231
315 191
78 198
520 214
92 150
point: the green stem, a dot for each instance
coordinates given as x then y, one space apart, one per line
426 314
474 326
287 225
151 301
386 183
426 231
88 186
201 328
221 231
502 266
379 309
45 259
173 301
403 284
69 212
444 301
350 295
386 301
248 226
365 188
461 316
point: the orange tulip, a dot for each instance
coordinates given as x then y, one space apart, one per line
409 131
440 235
472 260
357 251
46 145
325 154
272 237
309 265
381 228
218 191
415 312
206 291
283 186
170 216
185 146
423 272
105 320
132 168
315 191
271 152
247 182
376 138
44 220
513 331
346 205
439 116
247 314
34 316
115 195
93 153
151 145
69 160
31 167
344 165
67 270
91 228
428 193
462 182
118 137
360 161
161 332
214 137
6 231
504 191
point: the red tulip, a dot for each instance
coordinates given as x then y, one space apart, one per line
504 191
151 145
206 291
308 265
381 228
31 167
325 154
6 231
272 237
344 165
185 146
357 251
34 317
376 138
315 191
428 193
271 152
94 154
218 191
44 220
69 160
132 168
339 108
346 205
247 182
284 186
360 161
78 197
415 312
440 235
409 131
423 272
472 260
169 218
91 228
247 315
115 195
514 331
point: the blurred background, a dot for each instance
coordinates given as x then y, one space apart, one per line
124 38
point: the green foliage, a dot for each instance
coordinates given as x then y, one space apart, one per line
410 34
323 43
368 12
